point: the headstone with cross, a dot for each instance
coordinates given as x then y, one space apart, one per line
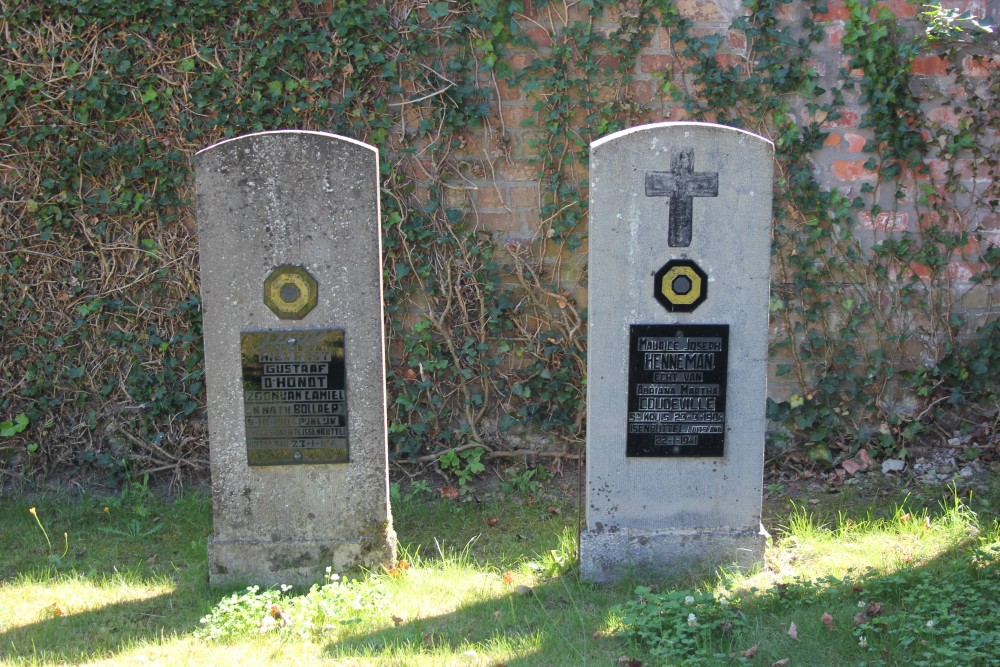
291 279
680 220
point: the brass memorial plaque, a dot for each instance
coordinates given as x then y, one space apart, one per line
295 397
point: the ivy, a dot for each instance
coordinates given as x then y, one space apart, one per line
102 105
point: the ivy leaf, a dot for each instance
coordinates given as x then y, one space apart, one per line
437 10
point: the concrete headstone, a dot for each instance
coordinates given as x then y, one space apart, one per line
680 221
291 281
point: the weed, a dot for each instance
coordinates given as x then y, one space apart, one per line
524 482
52 556
465 465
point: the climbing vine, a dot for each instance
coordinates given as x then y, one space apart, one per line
103 104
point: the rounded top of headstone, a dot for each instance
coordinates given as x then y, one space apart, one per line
284 133
703 129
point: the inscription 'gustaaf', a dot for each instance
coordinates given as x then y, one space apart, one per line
677 390
294 397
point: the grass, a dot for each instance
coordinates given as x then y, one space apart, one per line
123 581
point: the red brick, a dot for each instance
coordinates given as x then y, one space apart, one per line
518 170
728 59
490 196
787 11
835 33
930 66
524 197
416 170
516 114
852 170
655 62
832 140
610 62
641 91
921 271
846 118
500 222
508 92
737 40
901 8
835 11
977 66
939 168
977 7
539 36
701 10
944 116
885 221
661 38
855 142
678 113
990 222
520 61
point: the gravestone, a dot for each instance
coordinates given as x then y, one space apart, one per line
680 223
291 282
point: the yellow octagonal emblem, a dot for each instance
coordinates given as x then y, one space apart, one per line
290 292
680 286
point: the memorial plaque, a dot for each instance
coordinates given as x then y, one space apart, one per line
294 397
677 389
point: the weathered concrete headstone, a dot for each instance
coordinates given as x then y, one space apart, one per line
291 283
680 220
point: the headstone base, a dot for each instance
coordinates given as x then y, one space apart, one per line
291 561
609 556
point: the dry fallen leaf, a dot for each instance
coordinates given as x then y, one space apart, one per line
828 621
490 521
397 620
860 618
629 662
508 578
56 610
780 663
793 631
449 492
874 609
752 651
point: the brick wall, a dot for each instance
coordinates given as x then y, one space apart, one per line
500 191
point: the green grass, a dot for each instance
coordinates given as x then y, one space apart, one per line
494 582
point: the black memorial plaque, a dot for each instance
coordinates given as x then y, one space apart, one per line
677 389
294 397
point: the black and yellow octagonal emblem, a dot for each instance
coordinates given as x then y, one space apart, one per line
290 292
680 286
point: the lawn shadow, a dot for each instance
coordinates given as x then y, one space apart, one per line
71 636
557 623
923 608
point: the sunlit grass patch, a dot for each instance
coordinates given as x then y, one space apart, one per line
496 582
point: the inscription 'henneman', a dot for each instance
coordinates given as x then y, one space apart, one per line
677 390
